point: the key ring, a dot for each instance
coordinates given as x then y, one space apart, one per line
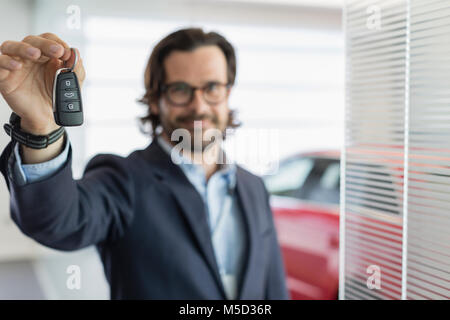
74 62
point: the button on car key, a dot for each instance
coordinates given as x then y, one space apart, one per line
67 105
70 106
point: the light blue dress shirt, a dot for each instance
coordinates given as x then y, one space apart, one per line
223 213
28 173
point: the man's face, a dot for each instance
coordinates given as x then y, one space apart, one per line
197 68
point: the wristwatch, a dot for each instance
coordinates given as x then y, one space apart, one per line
30 140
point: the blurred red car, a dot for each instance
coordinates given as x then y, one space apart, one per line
305 202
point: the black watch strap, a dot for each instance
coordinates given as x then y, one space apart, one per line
30 140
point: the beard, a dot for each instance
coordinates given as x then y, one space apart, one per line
193 136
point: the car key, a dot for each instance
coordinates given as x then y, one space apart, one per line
67 105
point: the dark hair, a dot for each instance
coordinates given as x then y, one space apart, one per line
185 40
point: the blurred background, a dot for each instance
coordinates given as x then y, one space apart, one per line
289 93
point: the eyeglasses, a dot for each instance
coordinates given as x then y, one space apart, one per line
182 93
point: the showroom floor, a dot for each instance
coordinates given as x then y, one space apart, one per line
18 280
46 278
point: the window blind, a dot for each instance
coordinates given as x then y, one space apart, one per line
428 239
374 149
395 205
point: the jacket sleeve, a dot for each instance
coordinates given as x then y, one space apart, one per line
276 277
67 214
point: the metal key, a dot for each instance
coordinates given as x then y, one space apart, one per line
67 105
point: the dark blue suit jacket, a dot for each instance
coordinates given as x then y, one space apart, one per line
149 225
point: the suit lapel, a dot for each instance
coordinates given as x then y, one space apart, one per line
188 199
245 201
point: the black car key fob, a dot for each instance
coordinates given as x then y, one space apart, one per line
67 105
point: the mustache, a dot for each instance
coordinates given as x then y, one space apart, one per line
195 117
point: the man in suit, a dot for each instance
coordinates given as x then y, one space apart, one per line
167 223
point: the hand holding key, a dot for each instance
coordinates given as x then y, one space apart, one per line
27 72
67 106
